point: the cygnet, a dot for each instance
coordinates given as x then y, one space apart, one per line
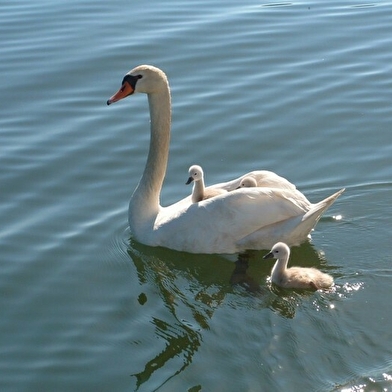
295 277
199 191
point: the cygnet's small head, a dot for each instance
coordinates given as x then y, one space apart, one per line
279 251
143 79
248 182
195 174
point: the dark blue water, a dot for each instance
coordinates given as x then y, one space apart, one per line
303 89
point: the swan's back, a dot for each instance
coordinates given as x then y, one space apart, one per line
212 192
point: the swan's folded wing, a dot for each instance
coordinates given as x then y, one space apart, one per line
220 223
292 231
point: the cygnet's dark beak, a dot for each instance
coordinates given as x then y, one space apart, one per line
190 179
269 255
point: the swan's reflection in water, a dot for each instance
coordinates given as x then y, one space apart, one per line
192 288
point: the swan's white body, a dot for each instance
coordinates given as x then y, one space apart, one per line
295 277
245 218
199 191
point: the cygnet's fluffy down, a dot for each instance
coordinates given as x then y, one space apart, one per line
199 191
295 277
248 182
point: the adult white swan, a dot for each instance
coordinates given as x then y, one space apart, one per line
245 218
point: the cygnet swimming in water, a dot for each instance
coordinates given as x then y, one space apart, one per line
200 192
248 182
295 277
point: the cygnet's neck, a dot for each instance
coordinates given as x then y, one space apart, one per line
198 190
280 266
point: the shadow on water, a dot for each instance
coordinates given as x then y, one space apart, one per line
192 287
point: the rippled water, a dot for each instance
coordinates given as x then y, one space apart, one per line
300 88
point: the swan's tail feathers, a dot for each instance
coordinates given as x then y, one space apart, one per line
310 219
292 231
319 208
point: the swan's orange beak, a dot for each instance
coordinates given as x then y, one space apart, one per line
125 90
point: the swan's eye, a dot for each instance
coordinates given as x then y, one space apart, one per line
131 79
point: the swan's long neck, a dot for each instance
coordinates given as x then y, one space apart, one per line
145 201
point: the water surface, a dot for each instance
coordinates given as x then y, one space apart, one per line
300 88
